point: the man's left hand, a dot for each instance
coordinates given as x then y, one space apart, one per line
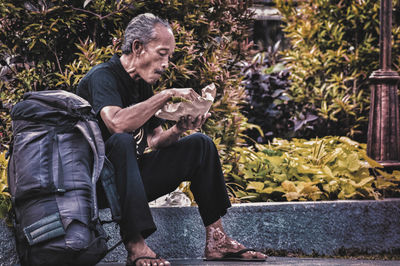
190 123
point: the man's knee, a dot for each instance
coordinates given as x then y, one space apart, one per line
201 139
120 141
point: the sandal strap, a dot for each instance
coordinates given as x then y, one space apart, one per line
133 263
238 253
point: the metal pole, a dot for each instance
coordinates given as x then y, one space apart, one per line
386 35
383 127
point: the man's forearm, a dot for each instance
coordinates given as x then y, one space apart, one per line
133 117
166 138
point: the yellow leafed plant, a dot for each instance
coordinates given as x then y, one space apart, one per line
330 168
5 199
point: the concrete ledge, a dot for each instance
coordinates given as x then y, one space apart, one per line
323 228
310 228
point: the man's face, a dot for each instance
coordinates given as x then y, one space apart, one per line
153 59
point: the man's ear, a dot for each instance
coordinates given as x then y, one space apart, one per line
137 47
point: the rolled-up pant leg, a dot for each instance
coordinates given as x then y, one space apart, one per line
193 158
136 215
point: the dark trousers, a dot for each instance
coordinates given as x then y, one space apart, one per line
193 158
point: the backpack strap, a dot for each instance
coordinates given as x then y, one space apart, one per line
91 132
59 188
107 176
57 180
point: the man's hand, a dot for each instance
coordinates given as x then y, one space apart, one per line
190 123
187 93
160 138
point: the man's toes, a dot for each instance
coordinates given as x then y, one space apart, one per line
261 255
146 263
153 262
253 255
164 263
248 255
160 262
141 263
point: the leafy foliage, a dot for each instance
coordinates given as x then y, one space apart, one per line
318 169
39 39
52 44
334 49
5 199
268 104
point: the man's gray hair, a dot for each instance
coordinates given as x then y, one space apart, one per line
141 28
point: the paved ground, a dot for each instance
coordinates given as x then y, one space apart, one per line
281 261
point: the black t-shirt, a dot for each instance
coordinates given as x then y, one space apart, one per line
108 84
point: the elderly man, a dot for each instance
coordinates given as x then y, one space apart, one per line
121 95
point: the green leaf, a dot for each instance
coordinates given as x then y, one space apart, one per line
31 44
268 190
275 161
328 172
257 186
353 162
371 162
364 181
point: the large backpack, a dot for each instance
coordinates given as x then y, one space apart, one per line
56 159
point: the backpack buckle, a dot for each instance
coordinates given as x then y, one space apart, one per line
60 190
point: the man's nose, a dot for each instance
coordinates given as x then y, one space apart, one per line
165 63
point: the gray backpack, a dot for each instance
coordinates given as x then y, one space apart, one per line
56 159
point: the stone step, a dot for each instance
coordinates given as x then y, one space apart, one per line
309 228
278 261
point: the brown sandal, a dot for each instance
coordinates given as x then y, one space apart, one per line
133 263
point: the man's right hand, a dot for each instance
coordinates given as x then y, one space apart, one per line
191 123
187 93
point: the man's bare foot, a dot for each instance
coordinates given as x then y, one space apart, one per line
139 248
218 243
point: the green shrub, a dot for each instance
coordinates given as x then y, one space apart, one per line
5 199
334 49
268 104
330 168
38 41
52 44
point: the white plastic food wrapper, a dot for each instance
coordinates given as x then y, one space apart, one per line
200 106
